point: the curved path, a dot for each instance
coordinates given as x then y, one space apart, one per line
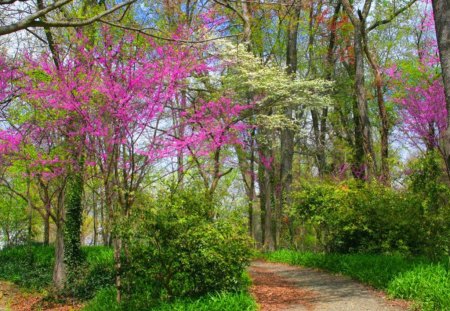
283 287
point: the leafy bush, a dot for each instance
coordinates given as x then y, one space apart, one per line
179 251
369 217
414 278
434 196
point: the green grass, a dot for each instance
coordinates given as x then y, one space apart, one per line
418 279
105 300
31 267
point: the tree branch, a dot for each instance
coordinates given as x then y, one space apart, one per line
143 32
349 10
394 15
32 20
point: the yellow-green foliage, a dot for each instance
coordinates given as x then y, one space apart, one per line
268 86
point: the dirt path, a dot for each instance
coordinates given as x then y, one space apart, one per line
283 287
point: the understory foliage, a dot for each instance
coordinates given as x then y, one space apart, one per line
175 250
241 301
178 250
352 216
30 267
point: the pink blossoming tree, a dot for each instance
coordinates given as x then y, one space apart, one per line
110 104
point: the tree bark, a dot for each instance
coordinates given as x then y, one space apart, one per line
269 242
59 269
384 130
246 18
287 134
46 229
441 10
363 126
73 220
363 109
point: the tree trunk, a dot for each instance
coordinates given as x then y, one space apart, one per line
46 228
287 134
441 10
262 201
95 216
363 110
269 243
320 155
363 128
59 269
246 17
73 221
117 244
384 130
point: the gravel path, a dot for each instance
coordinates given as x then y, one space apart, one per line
283 287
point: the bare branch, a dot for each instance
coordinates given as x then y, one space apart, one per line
143 32
5 2
24 23
349 10
394 15
32 20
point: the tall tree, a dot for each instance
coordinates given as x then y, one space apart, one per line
441 9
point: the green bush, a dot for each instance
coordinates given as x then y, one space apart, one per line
369 217
433 196
179 251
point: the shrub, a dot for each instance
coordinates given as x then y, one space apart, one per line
179 251
369 217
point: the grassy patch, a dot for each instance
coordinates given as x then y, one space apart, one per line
31 267
412 278
105 300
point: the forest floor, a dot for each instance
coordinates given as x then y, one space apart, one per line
279 287
13 299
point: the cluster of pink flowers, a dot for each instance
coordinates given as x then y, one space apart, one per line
422 101
120 92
